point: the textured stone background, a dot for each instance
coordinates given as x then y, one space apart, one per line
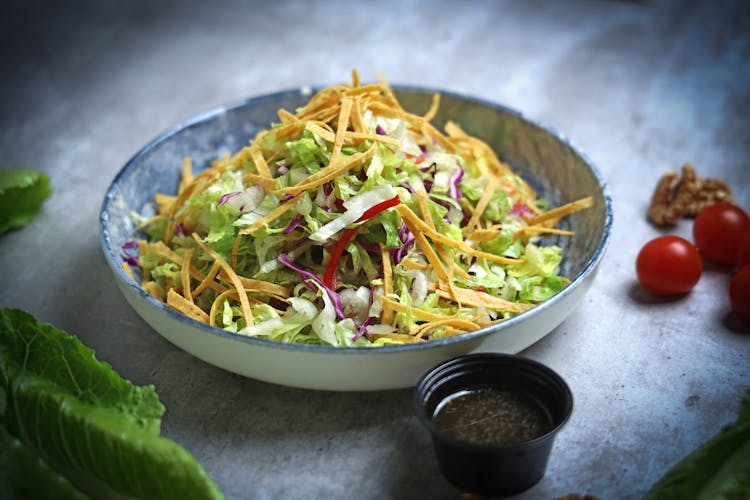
641 87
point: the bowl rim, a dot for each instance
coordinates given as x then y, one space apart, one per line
111 255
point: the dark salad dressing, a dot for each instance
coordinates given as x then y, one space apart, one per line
491 416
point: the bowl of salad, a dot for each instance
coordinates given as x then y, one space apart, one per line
352 237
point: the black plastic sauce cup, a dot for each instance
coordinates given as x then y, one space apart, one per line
493 469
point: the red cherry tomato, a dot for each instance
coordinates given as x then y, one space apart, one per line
668 265
739 294
743 256
718 231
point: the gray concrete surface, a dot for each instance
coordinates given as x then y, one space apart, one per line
641 87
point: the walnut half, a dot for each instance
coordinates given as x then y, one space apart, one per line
677 196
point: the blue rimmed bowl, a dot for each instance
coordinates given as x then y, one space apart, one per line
545 158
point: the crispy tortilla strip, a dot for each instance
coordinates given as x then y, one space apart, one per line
387 316
441 250
407 339
493 232
412 264
482 204
407 214
432 132
260 161
433 107
492 257
320 131
198 185
478 149
284 132
453 130
272 216
259 286
330 172
387 92
321 103
422 204
162 250
224 162
164 202
236 249
345 113
568 208
128 271
417 312
546 230
355 137
207 280
390 110
452 332
187 174
350 137
148 221
458 270
201 182
267 183
286 117
153 289
428 252
475 298
186 307
185 275
459 324
233 278
358 123
371 88
480 235
145 273
219 300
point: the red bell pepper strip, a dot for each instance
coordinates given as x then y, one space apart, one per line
329 279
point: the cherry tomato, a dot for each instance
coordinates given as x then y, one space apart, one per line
743 256
739 294
718 231
669 265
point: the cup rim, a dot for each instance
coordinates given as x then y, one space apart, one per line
445 368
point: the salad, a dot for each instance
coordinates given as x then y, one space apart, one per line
351 222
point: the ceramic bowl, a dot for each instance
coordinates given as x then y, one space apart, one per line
544 157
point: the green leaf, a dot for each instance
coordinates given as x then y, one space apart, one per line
22 193
86 422
718 469
18 463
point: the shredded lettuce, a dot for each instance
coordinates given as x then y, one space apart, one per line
325 250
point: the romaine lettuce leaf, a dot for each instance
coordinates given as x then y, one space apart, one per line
84 421
22 193
19 463
720 468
